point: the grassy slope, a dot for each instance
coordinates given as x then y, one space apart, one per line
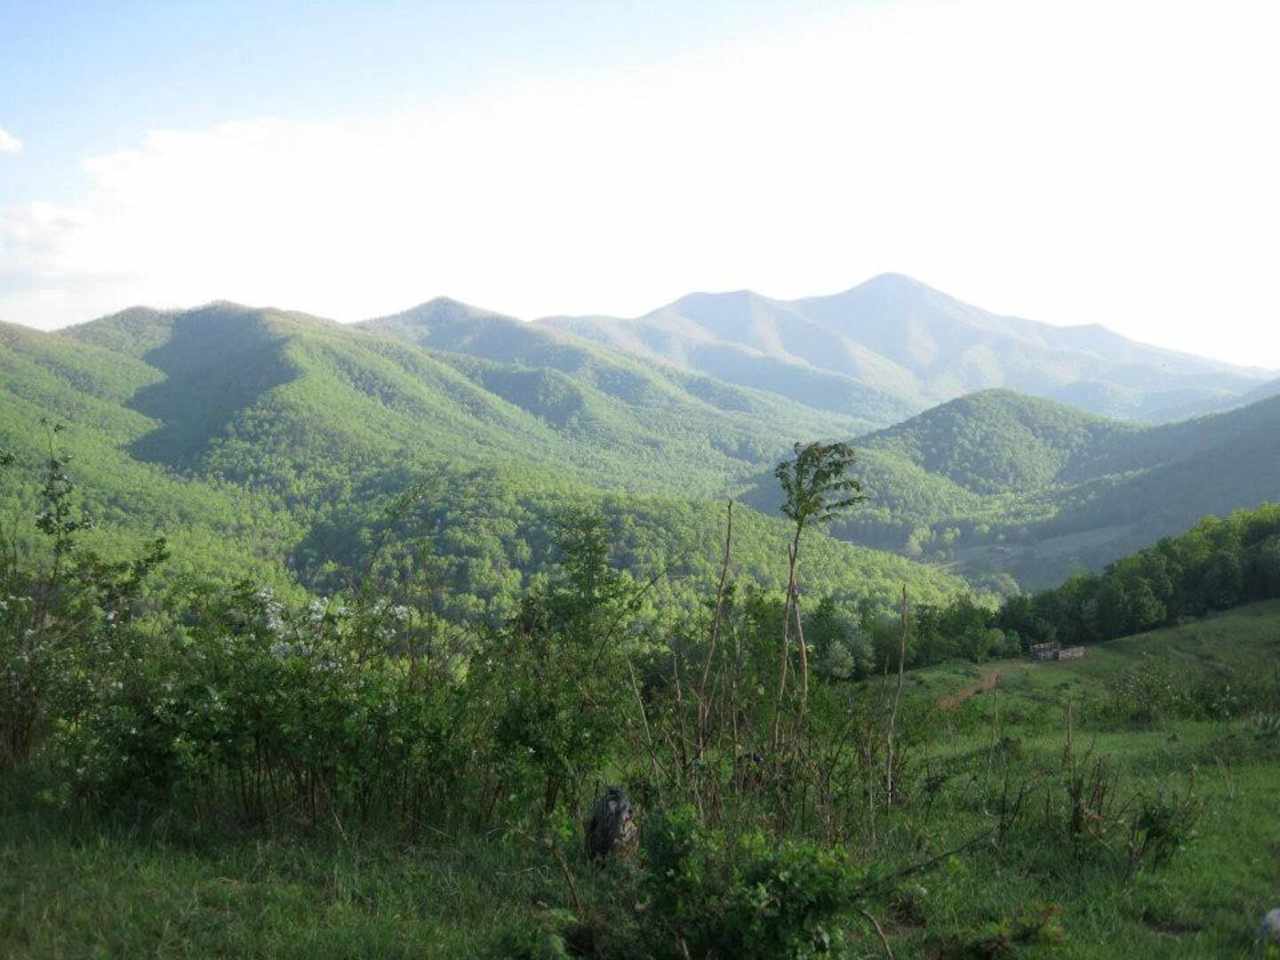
72 890
1208 900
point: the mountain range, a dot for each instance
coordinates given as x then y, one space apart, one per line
281 446
279 436
905 340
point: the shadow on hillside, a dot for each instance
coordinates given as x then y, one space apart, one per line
218 362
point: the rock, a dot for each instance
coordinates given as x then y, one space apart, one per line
1269 932
611 824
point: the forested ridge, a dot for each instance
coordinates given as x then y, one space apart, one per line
1004 483
280 441
310 421
1219 564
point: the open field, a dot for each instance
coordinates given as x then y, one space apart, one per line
76 887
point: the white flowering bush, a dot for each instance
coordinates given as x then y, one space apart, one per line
272 711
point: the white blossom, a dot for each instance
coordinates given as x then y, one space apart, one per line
1269 932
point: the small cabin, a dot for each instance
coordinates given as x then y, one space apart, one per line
1044 651
1071 653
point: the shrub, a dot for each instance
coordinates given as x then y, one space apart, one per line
1162 824
63 611
745 897
270 711
1147 693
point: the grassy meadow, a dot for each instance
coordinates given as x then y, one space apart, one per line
974 860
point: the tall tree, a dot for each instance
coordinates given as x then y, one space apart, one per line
817 488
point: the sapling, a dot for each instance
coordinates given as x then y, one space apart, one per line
816 490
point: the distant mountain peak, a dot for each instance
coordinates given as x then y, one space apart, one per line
891 279
724 298
445 303
446 308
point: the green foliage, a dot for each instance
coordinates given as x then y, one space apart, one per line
1163 824
63 609
1004 483
815 484
748 897
1218 564
290 436
1148 692
554 679
998 441
275 712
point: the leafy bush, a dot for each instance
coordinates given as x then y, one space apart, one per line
1037 924
302 712
64 610
1162 824
1148 693
1266 727
547 936
747 896
553 678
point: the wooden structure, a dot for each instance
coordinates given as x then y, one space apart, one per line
1044 651
1052 651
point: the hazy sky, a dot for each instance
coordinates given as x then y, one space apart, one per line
1075 162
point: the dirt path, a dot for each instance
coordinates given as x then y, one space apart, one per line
986 684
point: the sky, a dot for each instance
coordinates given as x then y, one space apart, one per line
1076 162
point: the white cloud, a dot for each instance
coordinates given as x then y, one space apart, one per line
9 143
1076 163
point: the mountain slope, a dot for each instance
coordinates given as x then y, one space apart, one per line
1000 481
225 531
265 395
311 420
902 339
448 327
1000 441
313 433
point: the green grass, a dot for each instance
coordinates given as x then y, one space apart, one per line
74 888
1208 900
82 892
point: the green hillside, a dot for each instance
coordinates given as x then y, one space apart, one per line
1003 483
284 439
214 526
319 420
998 441
712 403
297 403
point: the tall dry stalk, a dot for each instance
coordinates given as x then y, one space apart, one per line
704 704
905 614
